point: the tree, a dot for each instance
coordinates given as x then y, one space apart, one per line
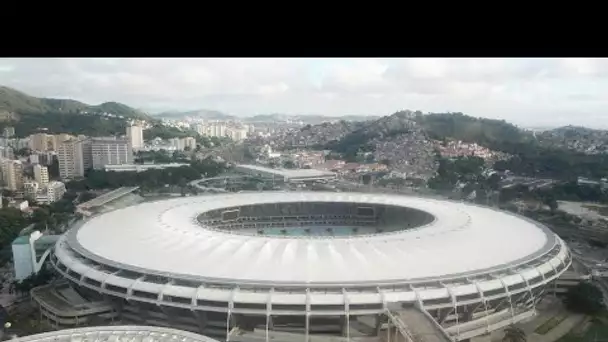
585 298
514 334
289 164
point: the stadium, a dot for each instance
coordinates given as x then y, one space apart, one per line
115 334
292 265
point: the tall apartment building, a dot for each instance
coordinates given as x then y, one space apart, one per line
9 132
237 133
73 156
135 135
12 174
39 142
110 151
41 174
216 129
45 142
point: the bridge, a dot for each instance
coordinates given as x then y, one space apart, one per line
420 326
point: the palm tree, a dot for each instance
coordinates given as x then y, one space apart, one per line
514 334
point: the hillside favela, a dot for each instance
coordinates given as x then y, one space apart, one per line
304 200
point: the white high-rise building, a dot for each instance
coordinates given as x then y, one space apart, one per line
41 174
110 151
12 174
135 135
74 158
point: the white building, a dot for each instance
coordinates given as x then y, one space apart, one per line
73 158
180 144
41 174
30 252
110 151
237 133
30 190
12 174
141 167
135 135
52 193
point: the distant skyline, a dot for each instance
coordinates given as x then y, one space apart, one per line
530 92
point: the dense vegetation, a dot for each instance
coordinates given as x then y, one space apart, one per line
58 122
486 132
559 164
12 222
585 298
150 179
14 101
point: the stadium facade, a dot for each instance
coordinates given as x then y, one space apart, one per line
272 265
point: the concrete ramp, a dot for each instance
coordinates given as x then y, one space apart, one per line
416 325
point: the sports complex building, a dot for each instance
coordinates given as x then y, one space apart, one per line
312 266
116 334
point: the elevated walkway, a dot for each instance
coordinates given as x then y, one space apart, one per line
420 326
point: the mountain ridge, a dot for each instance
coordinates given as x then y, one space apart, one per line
17 103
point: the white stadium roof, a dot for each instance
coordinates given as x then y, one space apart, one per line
289 173
131 333
165 237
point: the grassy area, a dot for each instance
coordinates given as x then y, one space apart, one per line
551 323
593 330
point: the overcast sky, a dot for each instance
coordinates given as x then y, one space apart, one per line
529 92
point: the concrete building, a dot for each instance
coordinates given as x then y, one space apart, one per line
180 144
344 265
9 132
41 174
30 253
30 190
286 175
135 135
141 167
39 142
45 142
12 174
74 157
110 151
53 192
237 133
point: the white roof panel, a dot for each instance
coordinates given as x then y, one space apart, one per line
165 237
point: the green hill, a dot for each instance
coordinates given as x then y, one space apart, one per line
20 104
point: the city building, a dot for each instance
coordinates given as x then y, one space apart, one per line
30 252
30 190
286 175
34 158
110 151
73 156
182 144
237 133
135 135
41 174
39 142
12 174
298 264
44 142
7 152
53 192
9 132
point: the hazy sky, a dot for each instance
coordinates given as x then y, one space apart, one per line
525 91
